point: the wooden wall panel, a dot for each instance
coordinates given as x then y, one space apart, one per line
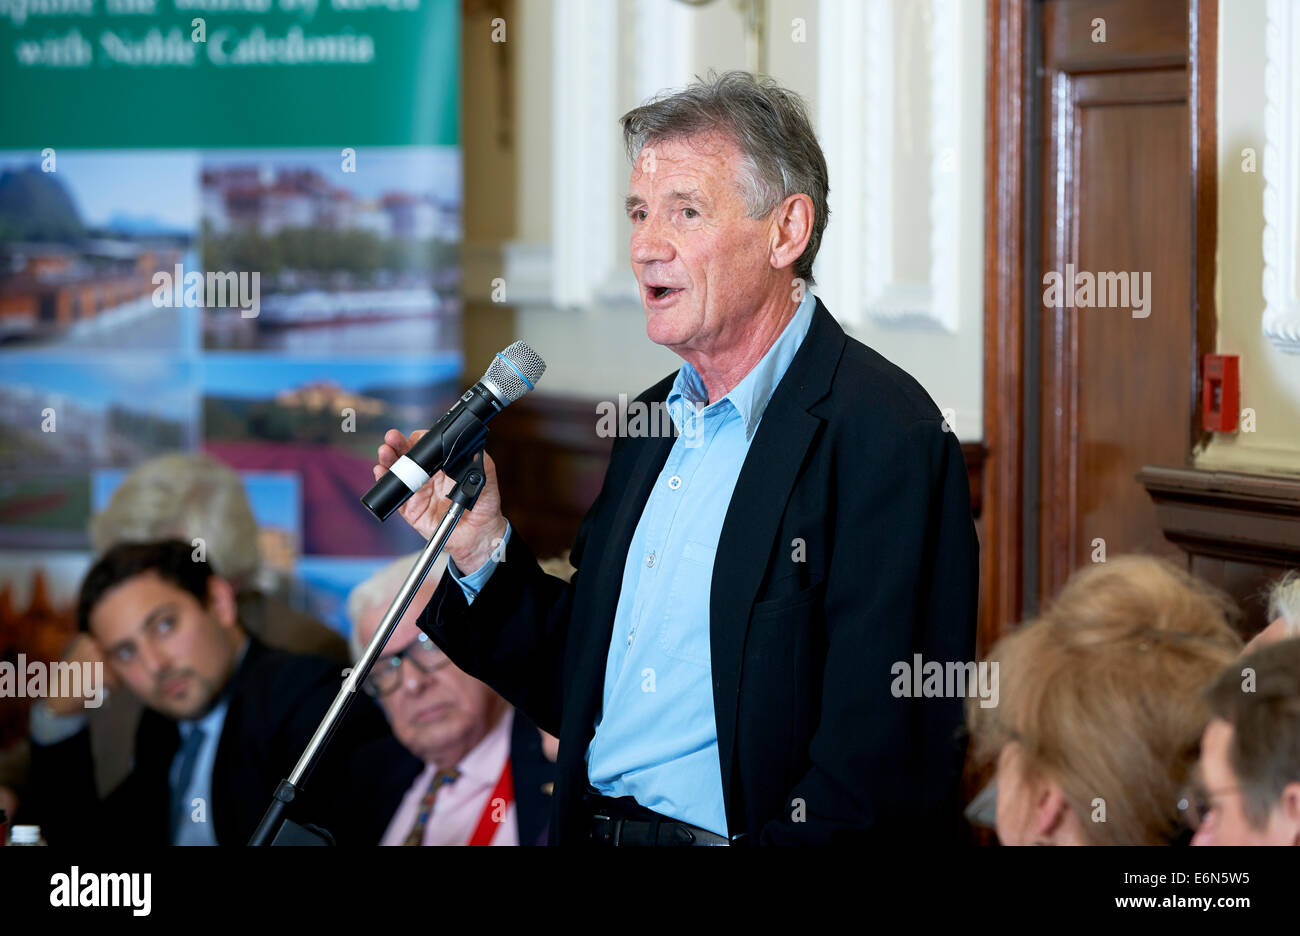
1119 195
1240 532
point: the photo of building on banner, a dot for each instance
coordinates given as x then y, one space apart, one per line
229 283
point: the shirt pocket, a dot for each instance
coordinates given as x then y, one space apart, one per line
684 628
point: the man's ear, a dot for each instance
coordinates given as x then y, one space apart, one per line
1288 808
791 229
221 601
1050 811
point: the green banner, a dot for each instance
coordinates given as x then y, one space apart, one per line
228 73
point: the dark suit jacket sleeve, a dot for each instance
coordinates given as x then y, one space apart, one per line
902 580
513 636
61 797
64 802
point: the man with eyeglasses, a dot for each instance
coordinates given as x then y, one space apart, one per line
461 767
1249 786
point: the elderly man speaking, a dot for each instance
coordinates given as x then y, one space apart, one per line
722 667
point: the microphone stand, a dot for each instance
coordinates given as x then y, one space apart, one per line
275 829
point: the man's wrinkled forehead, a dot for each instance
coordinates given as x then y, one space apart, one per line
687 162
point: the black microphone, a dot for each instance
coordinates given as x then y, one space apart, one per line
461 432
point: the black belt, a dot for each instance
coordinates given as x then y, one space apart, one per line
624 822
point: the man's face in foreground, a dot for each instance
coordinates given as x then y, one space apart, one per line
1227 822
702 265
173 652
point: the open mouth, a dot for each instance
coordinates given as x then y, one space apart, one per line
659 292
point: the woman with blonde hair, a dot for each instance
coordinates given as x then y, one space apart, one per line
1101 713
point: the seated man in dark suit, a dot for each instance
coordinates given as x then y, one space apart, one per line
462 766
193 497
227 717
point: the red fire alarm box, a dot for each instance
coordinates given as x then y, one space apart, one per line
1220 399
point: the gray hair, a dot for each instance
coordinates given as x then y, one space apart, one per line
378 591
1284 602
187 496
770 126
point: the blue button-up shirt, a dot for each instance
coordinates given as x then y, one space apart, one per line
656 738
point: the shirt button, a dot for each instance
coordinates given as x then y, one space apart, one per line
674 482
650 560
629 638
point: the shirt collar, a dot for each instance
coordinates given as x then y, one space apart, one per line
209 722
217 713
484 762
749 397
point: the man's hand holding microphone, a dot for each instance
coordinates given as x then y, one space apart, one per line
478 532
410 476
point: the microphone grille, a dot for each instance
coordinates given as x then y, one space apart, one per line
515 371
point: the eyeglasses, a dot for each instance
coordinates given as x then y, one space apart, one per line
387 672
1196 802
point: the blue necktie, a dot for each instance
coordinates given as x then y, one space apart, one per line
189 756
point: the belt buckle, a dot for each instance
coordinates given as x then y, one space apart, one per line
618 825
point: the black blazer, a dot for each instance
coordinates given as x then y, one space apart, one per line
276 701
384 770
852 461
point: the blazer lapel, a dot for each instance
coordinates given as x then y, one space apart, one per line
233 751
157 740
757 504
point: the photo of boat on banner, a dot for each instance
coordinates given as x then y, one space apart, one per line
356 251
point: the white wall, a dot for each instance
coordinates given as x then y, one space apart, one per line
1270 378
600 349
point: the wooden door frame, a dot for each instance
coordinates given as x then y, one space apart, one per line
1009 256
1005 253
